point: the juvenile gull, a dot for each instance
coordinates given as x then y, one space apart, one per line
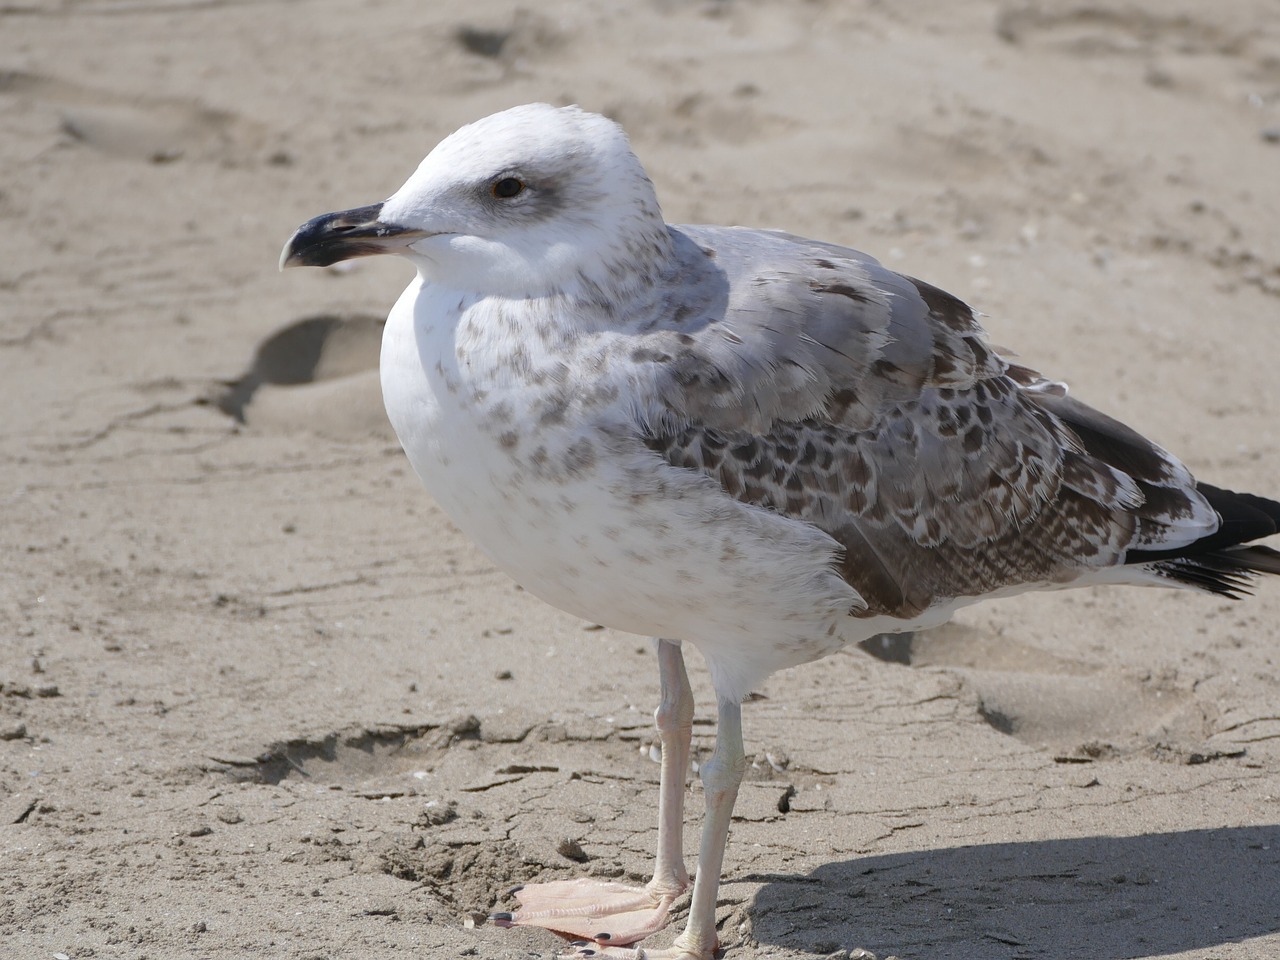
767 446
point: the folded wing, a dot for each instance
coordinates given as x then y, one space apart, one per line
834 391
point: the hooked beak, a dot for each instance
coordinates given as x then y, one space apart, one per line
344 235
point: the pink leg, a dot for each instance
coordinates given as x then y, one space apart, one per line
674 719
721 775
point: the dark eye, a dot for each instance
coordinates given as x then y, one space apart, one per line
507 187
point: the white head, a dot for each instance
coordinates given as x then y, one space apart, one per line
527 202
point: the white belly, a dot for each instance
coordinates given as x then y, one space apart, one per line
606 530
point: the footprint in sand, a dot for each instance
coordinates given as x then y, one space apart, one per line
155 129
1088 30
319 375
1074 711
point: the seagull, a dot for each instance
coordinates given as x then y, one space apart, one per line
765 446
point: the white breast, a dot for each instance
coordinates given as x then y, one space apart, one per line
582 515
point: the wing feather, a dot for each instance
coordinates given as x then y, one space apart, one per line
835 391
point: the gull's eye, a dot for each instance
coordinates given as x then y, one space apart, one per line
507 187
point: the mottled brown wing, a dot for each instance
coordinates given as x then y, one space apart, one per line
922 518
867 403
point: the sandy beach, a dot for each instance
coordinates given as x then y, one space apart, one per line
258 698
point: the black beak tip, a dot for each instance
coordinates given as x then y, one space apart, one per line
333 237
300 252
294 253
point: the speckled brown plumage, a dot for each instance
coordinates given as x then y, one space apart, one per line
941 468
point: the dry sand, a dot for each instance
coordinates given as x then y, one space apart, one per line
259 698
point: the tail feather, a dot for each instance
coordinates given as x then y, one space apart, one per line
1228 573
1252 559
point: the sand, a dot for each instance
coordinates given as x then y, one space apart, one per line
259 698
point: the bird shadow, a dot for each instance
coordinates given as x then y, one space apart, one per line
1105 898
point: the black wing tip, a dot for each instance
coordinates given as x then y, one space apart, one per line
1256 516
1245 517
1224 563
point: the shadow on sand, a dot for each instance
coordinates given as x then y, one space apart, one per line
1104 898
